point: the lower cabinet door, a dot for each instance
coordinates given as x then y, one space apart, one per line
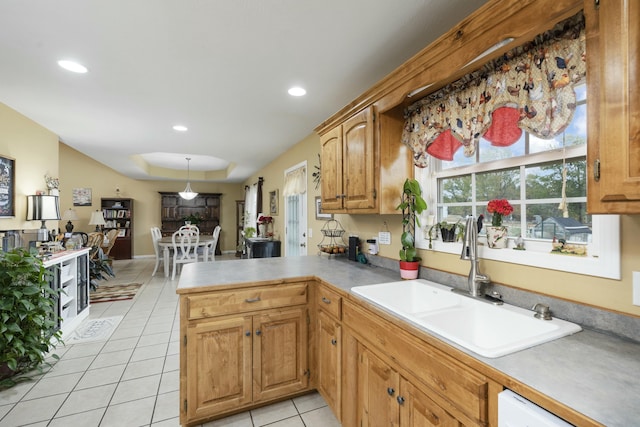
280 363
219 366
418 410
329 361
378 387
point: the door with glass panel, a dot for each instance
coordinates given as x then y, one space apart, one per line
295 212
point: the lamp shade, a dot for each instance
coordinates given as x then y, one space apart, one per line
41 207
97 218
70 215
188 193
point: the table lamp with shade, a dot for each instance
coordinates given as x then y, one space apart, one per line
69 215
97 219
41 207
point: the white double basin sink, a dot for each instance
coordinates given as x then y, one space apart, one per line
484 328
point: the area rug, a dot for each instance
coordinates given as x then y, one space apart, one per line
107 292
93 330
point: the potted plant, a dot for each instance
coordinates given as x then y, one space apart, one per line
412 204
99 267
28 329
449 231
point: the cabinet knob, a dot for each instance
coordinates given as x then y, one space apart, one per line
248 333
258 332
390 391
334 342
400 400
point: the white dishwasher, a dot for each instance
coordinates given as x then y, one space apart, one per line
516 411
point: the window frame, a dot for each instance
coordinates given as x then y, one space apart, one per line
603 254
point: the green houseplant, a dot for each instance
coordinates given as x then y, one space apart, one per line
27 312
449 231
412 205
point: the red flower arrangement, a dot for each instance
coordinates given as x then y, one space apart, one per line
499 208
264 219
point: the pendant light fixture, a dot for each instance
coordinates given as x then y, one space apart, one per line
188 194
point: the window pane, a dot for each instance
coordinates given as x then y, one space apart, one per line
455 190
539 145
504 184
576 132
489 152
545 181
545 221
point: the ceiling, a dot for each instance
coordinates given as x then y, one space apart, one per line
222 68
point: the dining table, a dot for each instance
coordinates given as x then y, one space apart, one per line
166 243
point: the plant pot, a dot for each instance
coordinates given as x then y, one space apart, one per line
497 237
448 235
409 269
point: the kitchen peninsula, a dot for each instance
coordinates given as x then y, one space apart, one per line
227 308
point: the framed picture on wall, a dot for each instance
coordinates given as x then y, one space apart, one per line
7 187
319 214
81 196
273 202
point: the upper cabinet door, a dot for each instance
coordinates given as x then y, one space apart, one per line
358 161
331 169
613 85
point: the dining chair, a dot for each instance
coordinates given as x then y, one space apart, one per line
94 242
109 240
208 252
185 246
156 235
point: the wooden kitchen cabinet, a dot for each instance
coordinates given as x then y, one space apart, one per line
386 356
386 398
329 360
364 163
613 85
347 166
241 347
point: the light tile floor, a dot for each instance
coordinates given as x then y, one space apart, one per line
132 379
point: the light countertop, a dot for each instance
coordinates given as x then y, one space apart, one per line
591 372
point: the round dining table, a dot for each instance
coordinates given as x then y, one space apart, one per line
166 244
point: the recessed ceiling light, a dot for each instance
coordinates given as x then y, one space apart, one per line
72 66
297 91
180 128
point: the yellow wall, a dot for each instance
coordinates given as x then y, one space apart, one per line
80 171
614 295
35 150
308 149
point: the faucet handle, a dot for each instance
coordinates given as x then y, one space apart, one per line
542 311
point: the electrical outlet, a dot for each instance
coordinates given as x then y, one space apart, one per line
310 233
636 288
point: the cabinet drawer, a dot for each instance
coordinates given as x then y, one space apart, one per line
454 386
329 301
243 300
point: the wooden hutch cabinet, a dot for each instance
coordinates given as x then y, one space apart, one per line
175 211
118 214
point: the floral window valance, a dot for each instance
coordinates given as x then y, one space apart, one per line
529 87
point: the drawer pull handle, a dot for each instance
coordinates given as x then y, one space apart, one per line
326 300
400 400
258 332
250 300
390 391
334 342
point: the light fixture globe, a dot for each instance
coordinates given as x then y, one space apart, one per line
188 194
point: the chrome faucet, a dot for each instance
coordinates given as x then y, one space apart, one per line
476 279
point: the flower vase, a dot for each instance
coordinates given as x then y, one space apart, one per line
262 230
497 237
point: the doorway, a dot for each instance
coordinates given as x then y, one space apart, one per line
295 212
